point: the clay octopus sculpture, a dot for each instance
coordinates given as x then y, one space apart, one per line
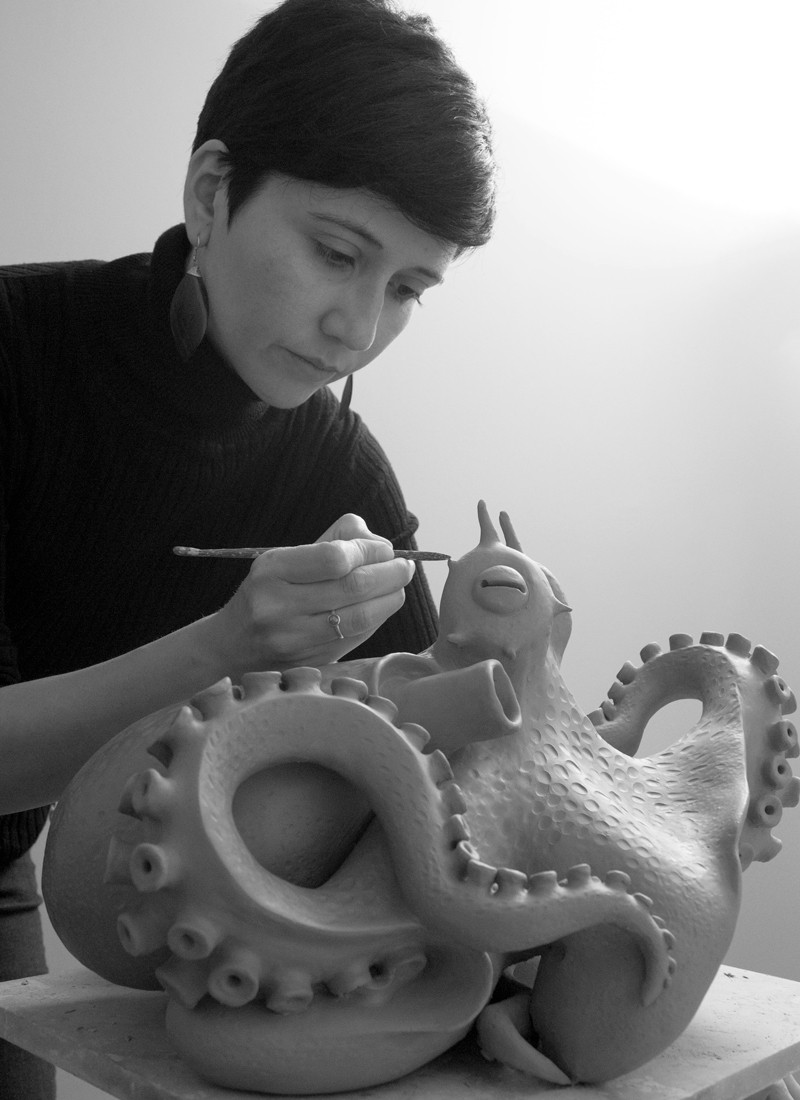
323 863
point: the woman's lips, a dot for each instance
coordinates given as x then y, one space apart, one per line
318 364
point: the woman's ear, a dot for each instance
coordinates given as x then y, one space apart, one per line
204 178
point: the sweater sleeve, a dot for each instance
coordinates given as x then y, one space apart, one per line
17 831
8 663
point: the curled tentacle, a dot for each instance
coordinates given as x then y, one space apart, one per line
281 957
333 1045
504 1035
331 930
720 790
690 671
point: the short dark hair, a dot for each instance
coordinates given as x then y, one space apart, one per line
356 94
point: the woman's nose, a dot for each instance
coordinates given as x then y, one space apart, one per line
353 318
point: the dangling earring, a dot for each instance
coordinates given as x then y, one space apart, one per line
188 314
347 396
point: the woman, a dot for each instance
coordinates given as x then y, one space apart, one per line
342 160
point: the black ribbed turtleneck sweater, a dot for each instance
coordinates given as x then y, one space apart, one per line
112 451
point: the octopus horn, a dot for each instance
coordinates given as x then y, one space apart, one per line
558 591
489 533
512 539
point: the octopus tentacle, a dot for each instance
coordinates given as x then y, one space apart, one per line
690 671
504 1034
204 895
337 1043
333 932
733 780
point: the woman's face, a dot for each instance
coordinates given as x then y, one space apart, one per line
310 283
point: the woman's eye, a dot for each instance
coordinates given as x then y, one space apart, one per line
333 257
407 293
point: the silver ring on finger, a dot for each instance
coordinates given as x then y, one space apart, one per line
335 619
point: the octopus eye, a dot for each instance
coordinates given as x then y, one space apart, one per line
501 589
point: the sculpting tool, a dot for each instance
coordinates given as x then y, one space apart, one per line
254 551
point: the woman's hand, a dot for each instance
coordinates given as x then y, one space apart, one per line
279 616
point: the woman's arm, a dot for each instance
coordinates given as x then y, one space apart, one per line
50 727
278 618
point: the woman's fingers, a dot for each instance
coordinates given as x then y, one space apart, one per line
362 596
312 604
356 622
323 561
322 576
350 526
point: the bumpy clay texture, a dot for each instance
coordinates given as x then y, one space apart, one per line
328 870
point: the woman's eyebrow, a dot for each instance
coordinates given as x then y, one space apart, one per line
360 231
353 226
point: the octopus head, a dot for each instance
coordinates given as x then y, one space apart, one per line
497 603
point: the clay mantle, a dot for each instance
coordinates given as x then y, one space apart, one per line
325 862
